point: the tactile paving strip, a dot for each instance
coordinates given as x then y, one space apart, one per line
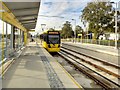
52 76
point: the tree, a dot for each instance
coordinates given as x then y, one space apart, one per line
67 31
51 29
78 30
98 16
118 22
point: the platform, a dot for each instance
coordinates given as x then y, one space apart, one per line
36 68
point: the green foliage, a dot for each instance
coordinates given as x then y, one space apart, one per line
118 23
78 30
99 17
67 31
51 29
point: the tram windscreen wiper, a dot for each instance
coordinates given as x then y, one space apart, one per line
51 42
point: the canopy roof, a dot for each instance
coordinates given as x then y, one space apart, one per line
25 12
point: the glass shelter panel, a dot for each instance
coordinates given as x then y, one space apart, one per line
1 39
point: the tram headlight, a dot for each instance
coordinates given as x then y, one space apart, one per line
59 45
49 45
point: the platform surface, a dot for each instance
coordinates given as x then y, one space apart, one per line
28 71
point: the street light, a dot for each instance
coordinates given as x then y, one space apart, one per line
85 26
115 24
81 31
43 26
74 30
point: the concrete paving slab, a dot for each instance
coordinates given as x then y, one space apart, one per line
27 72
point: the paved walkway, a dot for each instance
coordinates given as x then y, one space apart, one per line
36 68
27 71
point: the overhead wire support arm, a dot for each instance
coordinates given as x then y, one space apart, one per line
51 16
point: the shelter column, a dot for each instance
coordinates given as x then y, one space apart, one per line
25 37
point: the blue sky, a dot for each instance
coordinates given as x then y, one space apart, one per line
69 9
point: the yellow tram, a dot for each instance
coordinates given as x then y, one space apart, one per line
51 41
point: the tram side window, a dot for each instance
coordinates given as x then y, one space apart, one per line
45 37
41 36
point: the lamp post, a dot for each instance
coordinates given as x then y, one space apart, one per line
81 31
47 16
84 23
115 24
116 27
74 30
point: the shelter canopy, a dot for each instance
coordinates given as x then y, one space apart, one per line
25 12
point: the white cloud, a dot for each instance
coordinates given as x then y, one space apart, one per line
64 8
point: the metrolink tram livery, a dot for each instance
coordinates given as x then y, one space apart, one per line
51 41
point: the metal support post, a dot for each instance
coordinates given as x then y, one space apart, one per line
116 27
12 44
19 37
6 48
74 31
2 49
25 38
87 33
75 27
14 28
3 42
11 38
115 24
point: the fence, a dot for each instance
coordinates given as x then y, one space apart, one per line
93 41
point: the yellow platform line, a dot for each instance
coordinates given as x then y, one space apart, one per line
75 82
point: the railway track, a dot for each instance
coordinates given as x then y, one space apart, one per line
105 66
104 61
89 69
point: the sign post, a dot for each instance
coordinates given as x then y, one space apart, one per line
80 37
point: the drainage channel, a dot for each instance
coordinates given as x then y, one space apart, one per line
54 80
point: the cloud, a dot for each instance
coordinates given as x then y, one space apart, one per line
66 0
69 9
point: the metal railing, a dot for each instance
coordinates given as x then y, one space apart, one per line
93 41
8 53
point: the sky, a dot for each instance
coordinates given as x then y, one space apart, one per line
69 9
65 10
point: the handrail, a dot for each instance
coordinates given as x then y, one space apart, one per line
1 62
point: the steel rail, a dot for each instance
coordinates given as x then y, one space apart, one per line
107 63
106 83
96 66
